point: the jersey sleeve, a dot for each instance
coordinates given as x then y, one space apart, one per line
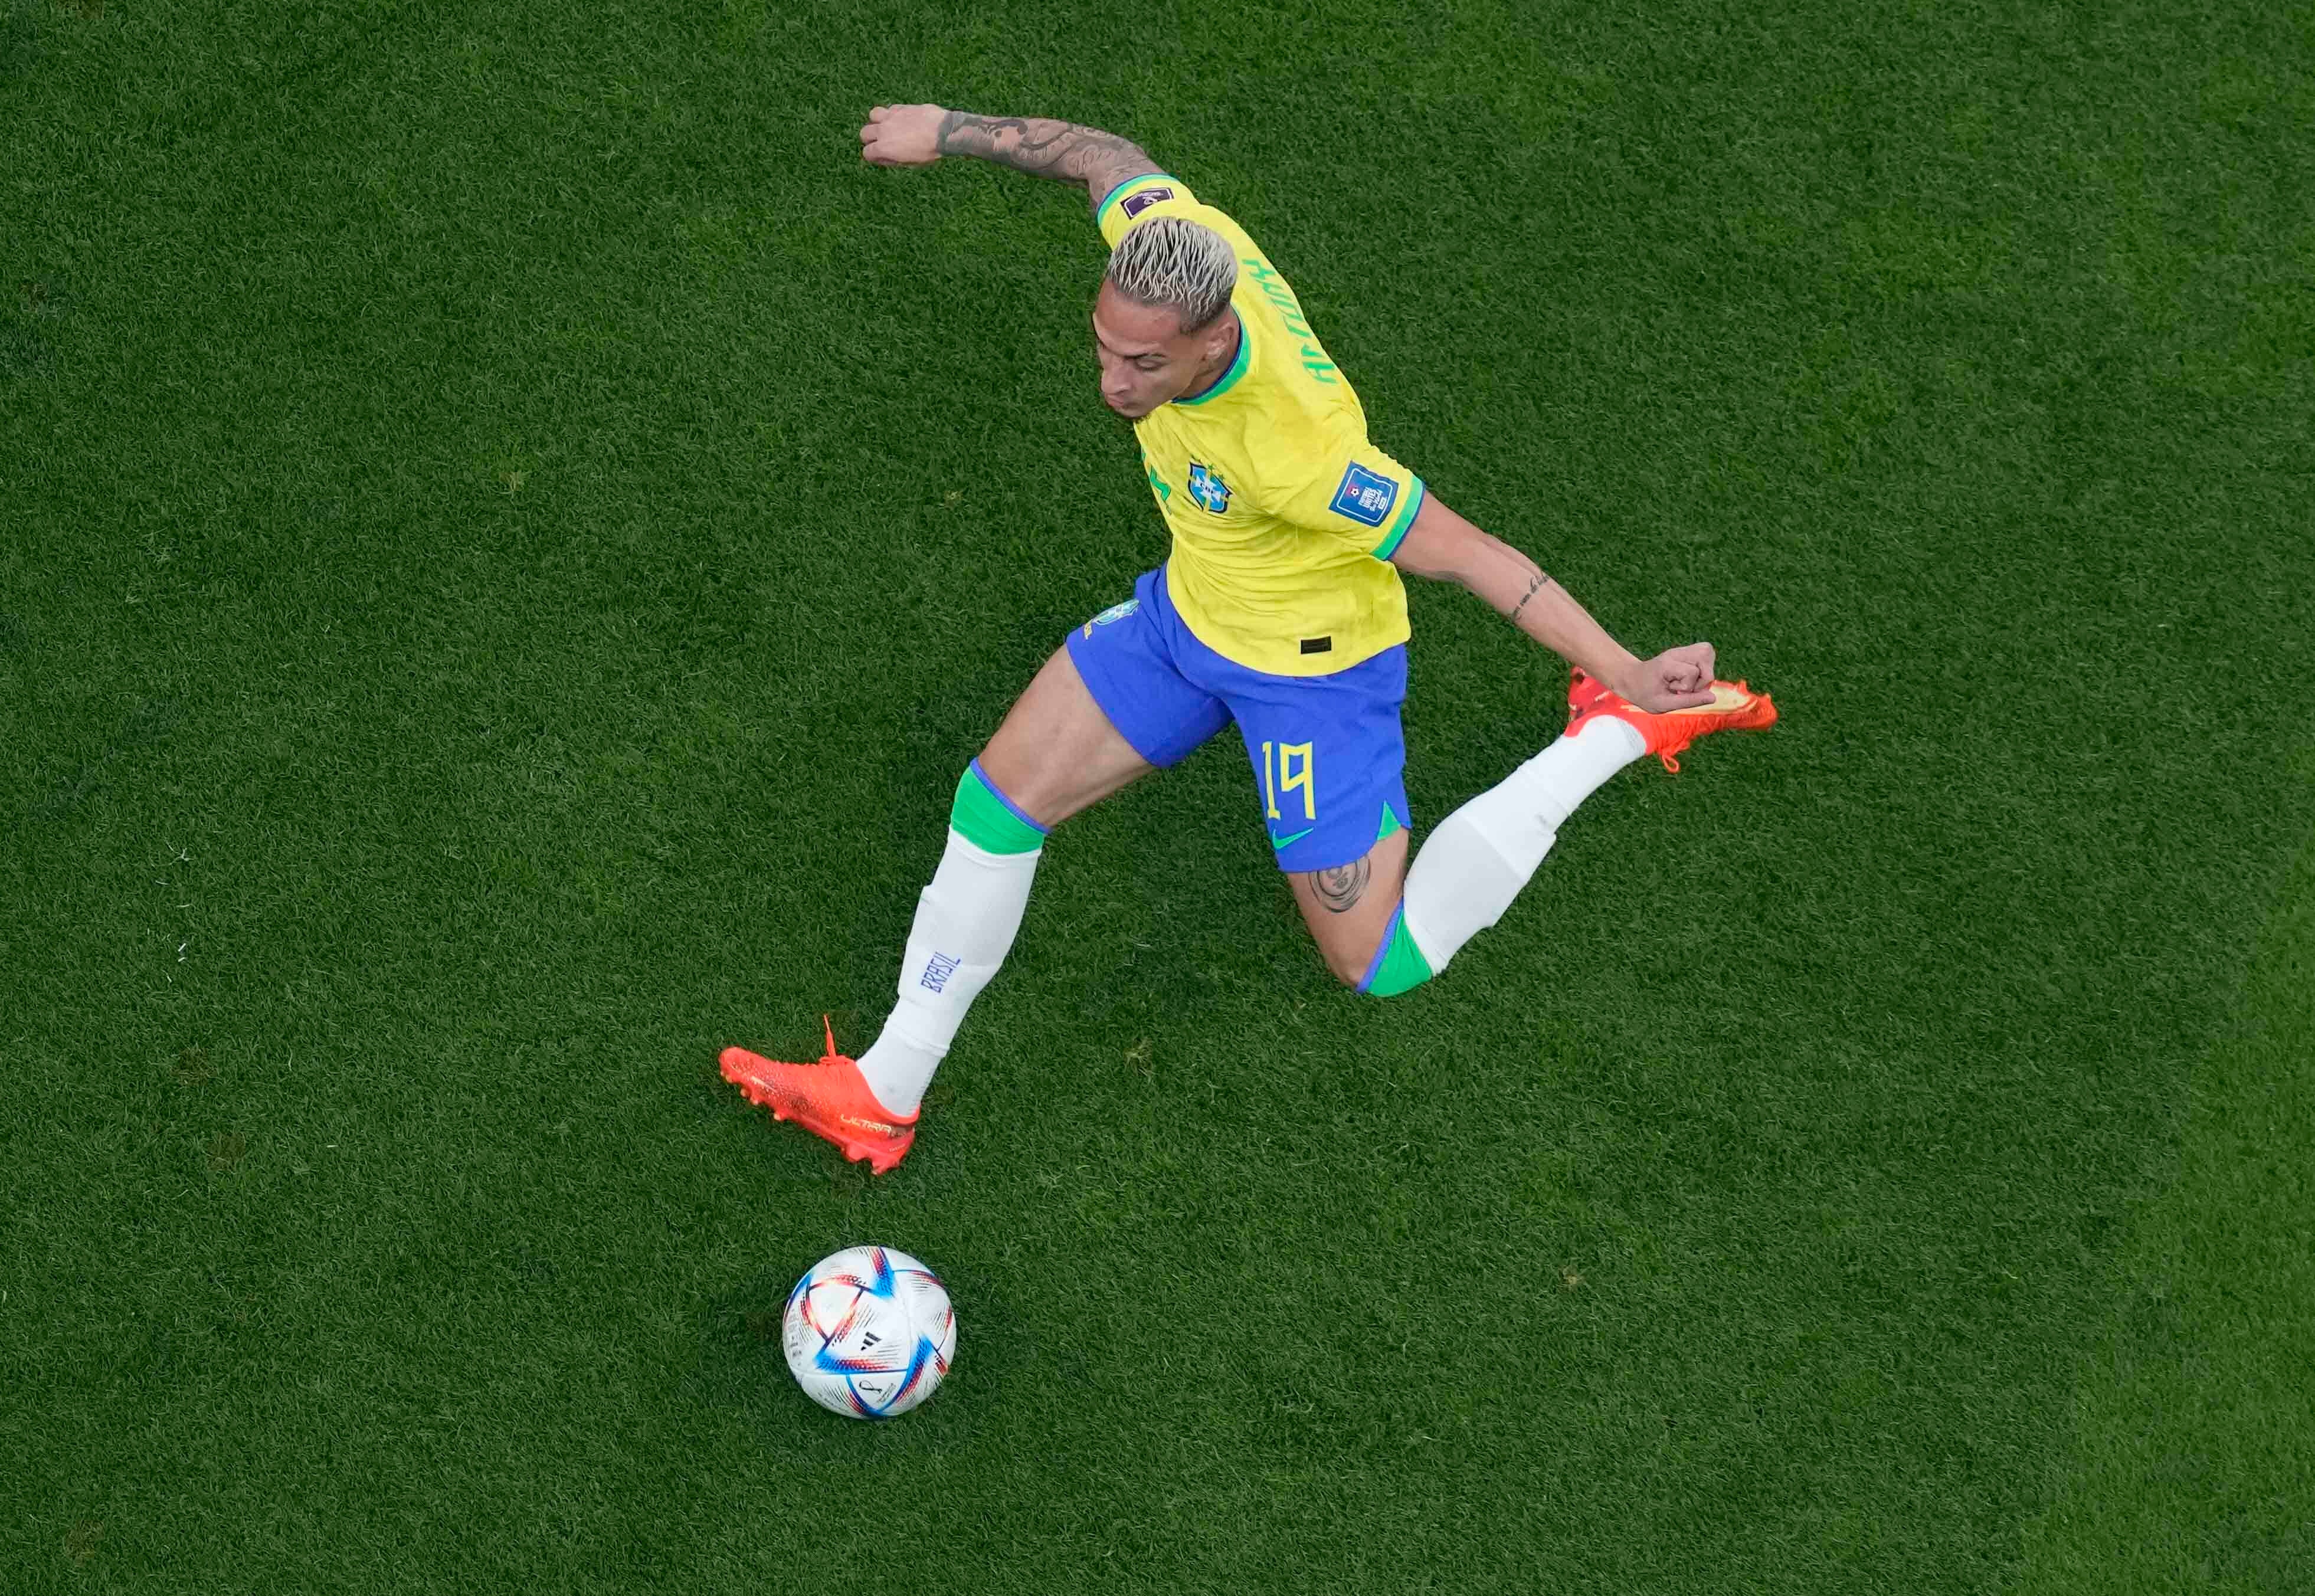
1137 198
1354 493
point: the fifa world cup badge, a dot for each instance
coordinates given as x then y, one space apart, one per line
1365 496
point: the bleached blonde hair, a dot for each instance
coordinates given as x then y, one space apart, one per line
1176 262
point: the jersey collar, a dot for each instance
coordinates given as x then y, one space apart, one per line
1228 379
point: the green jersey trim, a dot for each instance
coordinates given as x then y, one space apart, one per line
1397 533
1130 185
1236 367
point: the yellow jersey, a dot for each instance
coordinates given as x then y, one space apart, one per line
1283 515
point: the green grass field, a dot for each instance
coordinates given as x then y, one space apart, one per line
509 531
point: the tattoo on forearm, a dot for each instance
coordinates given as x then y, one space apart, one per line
1533 587
1340 889
1043 148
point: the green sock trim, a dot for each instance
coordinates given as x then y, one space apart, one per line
1399 965
987 819
1391 821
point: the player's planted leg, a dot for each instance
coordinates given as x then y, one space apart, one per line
965 926
1055 755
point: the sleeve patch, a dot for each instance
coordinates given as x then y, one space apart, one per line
1133 205
1365 496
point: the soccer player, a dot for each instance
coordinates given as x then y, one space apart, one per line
1279 608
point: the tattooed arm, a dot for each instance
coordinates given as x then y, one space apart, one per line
1442 545
920 135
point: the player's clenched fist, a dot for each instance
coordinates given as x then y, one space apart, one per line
1677 678
901 135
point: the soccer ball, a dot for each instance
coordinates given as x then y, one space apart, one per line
868 1333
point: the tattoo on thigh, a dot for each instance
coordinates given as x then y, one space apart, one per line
1340 888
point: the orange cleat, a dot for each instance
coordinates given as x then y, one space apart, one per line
830 1099
1734 707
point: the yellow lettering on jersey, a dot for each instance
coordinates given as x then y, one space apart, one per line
1290 777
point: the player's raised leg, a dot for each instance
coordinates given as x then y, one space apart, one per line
1478 859
1384 926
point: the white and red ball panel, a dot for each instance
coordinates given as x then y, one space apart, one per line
869 1333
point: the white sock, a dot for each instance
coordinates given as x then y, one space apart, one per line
964 926
1476 859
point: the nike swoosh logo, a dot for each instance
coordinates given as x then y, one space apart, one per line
1277 841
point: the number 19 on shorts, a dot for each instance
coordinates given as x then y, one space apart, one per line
1285 770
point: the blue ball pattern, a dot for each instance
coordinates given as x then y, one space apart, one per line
855 1362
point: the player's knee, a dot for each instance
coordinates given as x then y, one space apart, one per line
1030 787
1350 960
1348 965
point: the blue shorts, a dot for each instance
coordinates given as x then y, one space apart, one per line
1329 758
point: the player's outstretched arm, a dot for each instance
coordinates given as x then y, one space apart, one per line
1443 545
920 135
